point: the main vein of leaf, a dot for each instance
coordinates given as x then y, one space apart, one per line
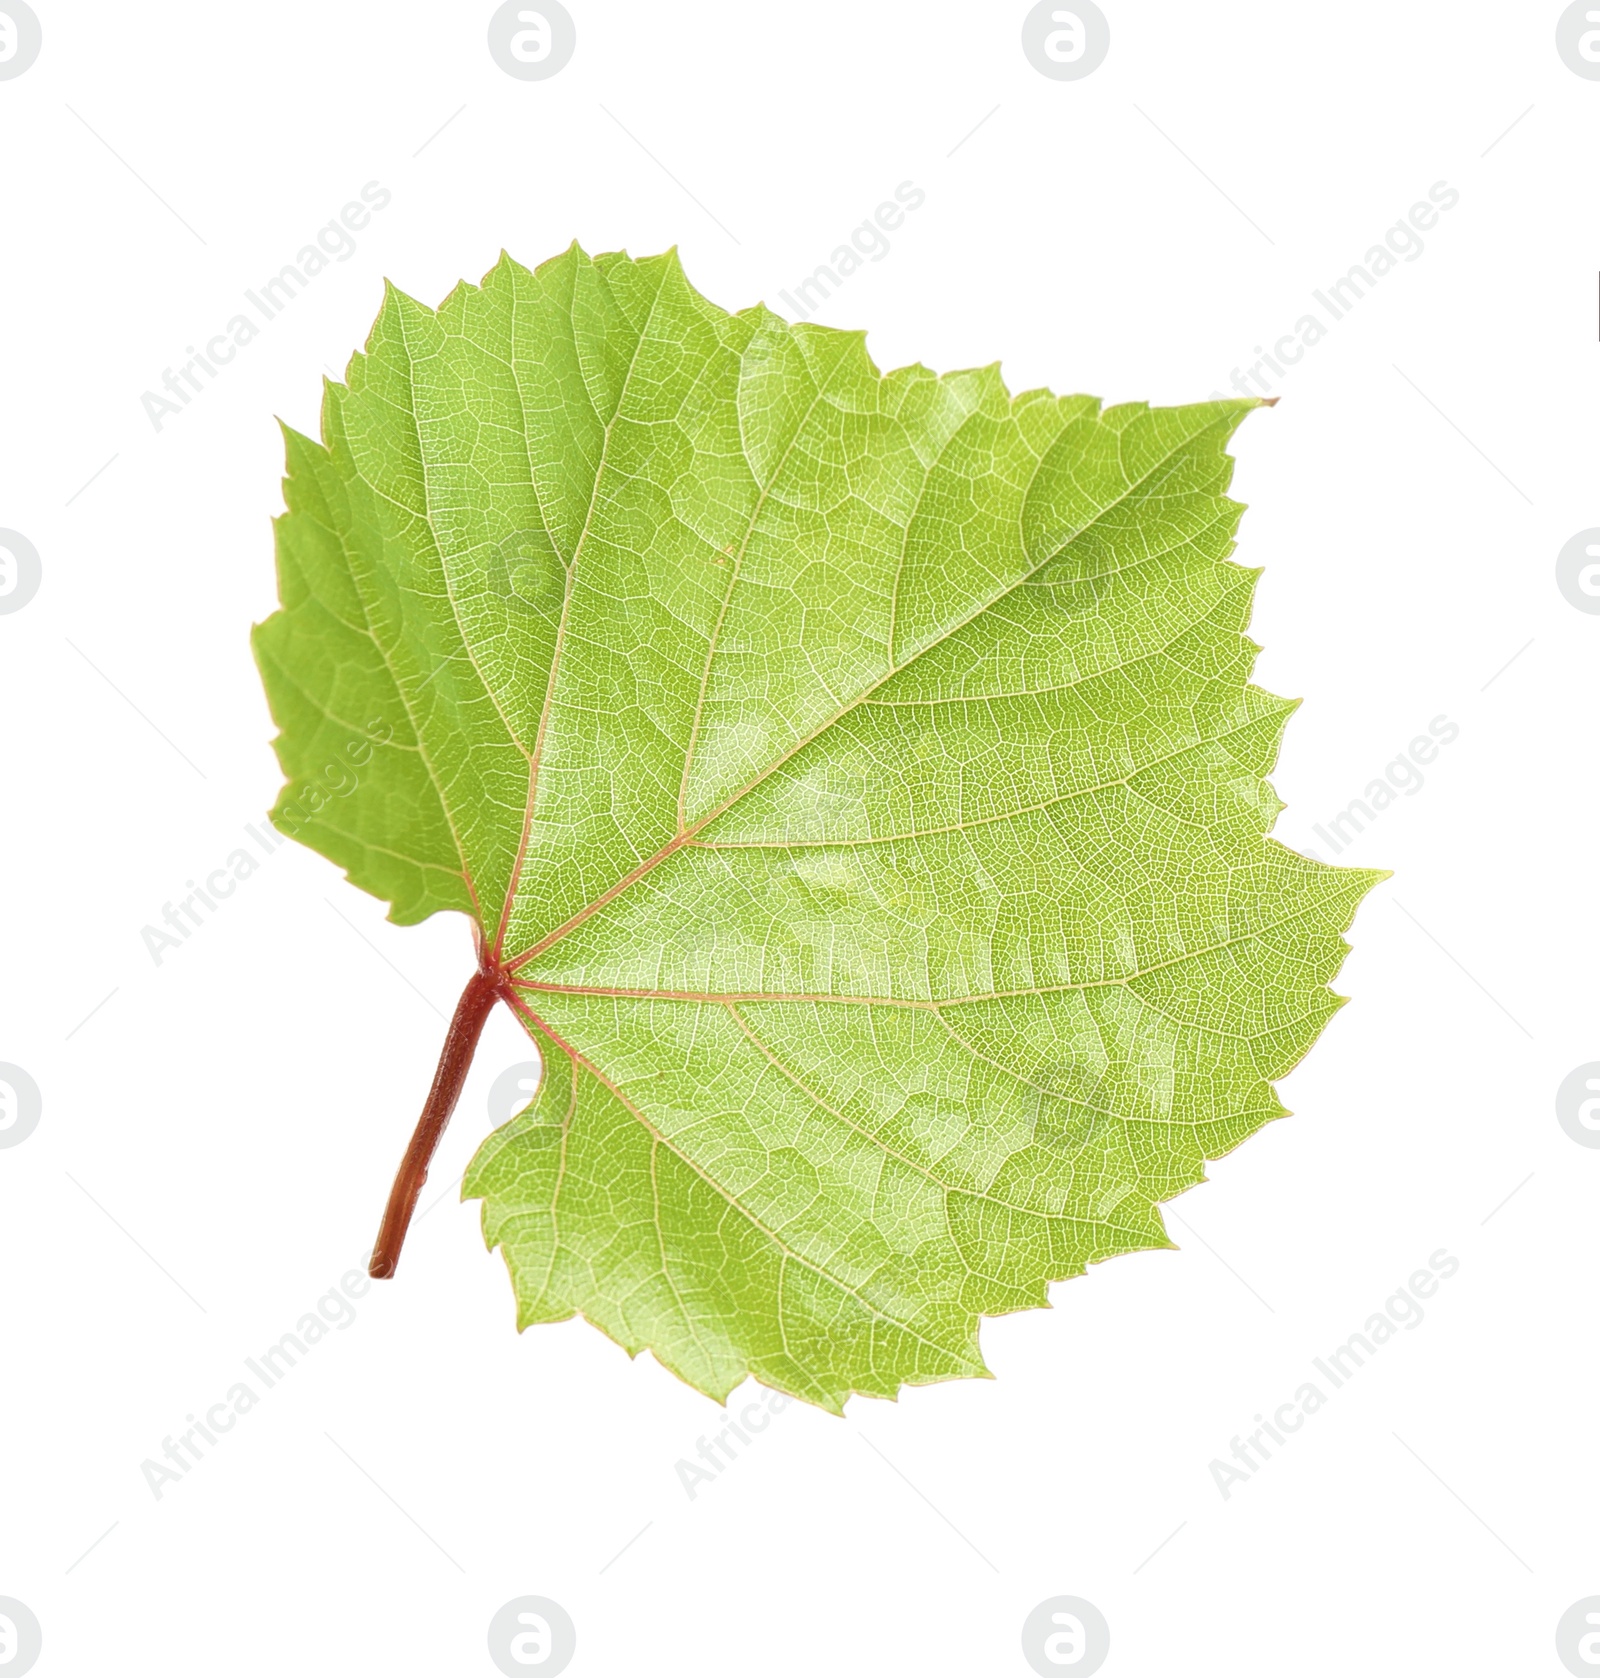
928 1004
536 757
544 524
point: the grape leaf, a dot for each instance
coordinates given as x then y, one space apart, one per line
854 783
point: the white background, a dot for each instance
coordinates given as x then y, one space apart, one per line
219 1136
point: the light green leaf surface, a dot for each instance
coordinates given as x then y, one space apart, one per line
859 776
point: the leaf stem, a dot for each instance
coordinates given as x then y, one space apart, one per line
461 1040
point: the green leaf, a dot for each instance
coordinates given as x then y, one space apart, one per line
857 788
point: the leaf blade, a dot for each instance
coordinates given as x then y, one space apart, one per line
874 833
